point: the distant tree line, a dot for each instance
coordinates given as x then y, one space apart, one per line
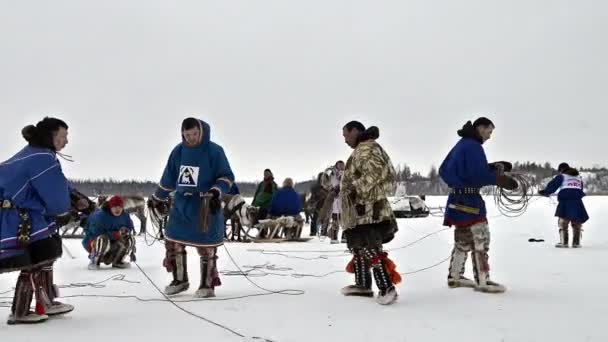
595 178
596 181
95 188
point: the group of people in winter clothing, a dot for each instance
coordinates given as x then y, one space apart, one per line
36 199
369 222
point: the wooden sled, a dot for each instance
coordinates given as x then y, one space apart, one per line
72 230
280 229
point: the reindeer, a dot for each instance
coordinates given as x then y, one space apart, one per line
240 215
135 205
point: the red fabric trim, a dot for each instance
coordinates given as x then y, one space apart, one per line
468 223
378 257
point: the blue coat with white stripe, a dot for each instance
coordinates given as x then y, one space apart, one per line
191 172
32 180
466 166
102 222
570 197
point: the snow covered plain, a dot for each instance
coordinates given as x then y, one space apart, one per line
553 294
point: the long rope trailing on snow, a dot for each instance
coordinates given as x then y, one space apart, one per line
262 271
342 254
250 271
96 285
289 292
228 329
246 274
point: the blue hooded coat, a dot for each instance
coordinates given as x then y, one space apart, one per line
191 172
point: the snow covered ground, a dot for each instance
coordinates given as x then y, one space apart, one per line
553 294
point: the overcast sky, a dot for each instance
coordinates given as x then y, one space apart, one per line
277 80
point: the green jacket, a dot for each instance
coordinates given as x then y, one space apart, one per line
262 199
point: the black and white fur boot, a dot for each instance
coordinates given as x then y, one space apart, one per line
387 294
563 238
456 276
22 299
124 248
209 274
101 246
363 278
482 276
180 273
50 293
576 236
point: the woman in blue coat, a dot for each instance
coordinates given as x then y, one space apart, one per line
109 235
35 198
466 170
197 171
570 210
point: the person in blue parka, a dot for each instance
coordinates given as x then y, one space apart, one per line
35 199
466 170
570 209
197 171
109 235
286 201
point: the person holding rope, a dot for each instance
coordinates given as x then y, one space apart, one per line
36 199
570 210
109 235
466 170
198 172
367 217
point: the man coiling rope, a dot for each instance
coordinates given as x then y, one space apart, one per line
466 170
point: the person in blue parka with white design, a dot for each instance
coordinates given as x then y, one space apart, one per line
197 168
109 235
570 209
466 170
35 198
